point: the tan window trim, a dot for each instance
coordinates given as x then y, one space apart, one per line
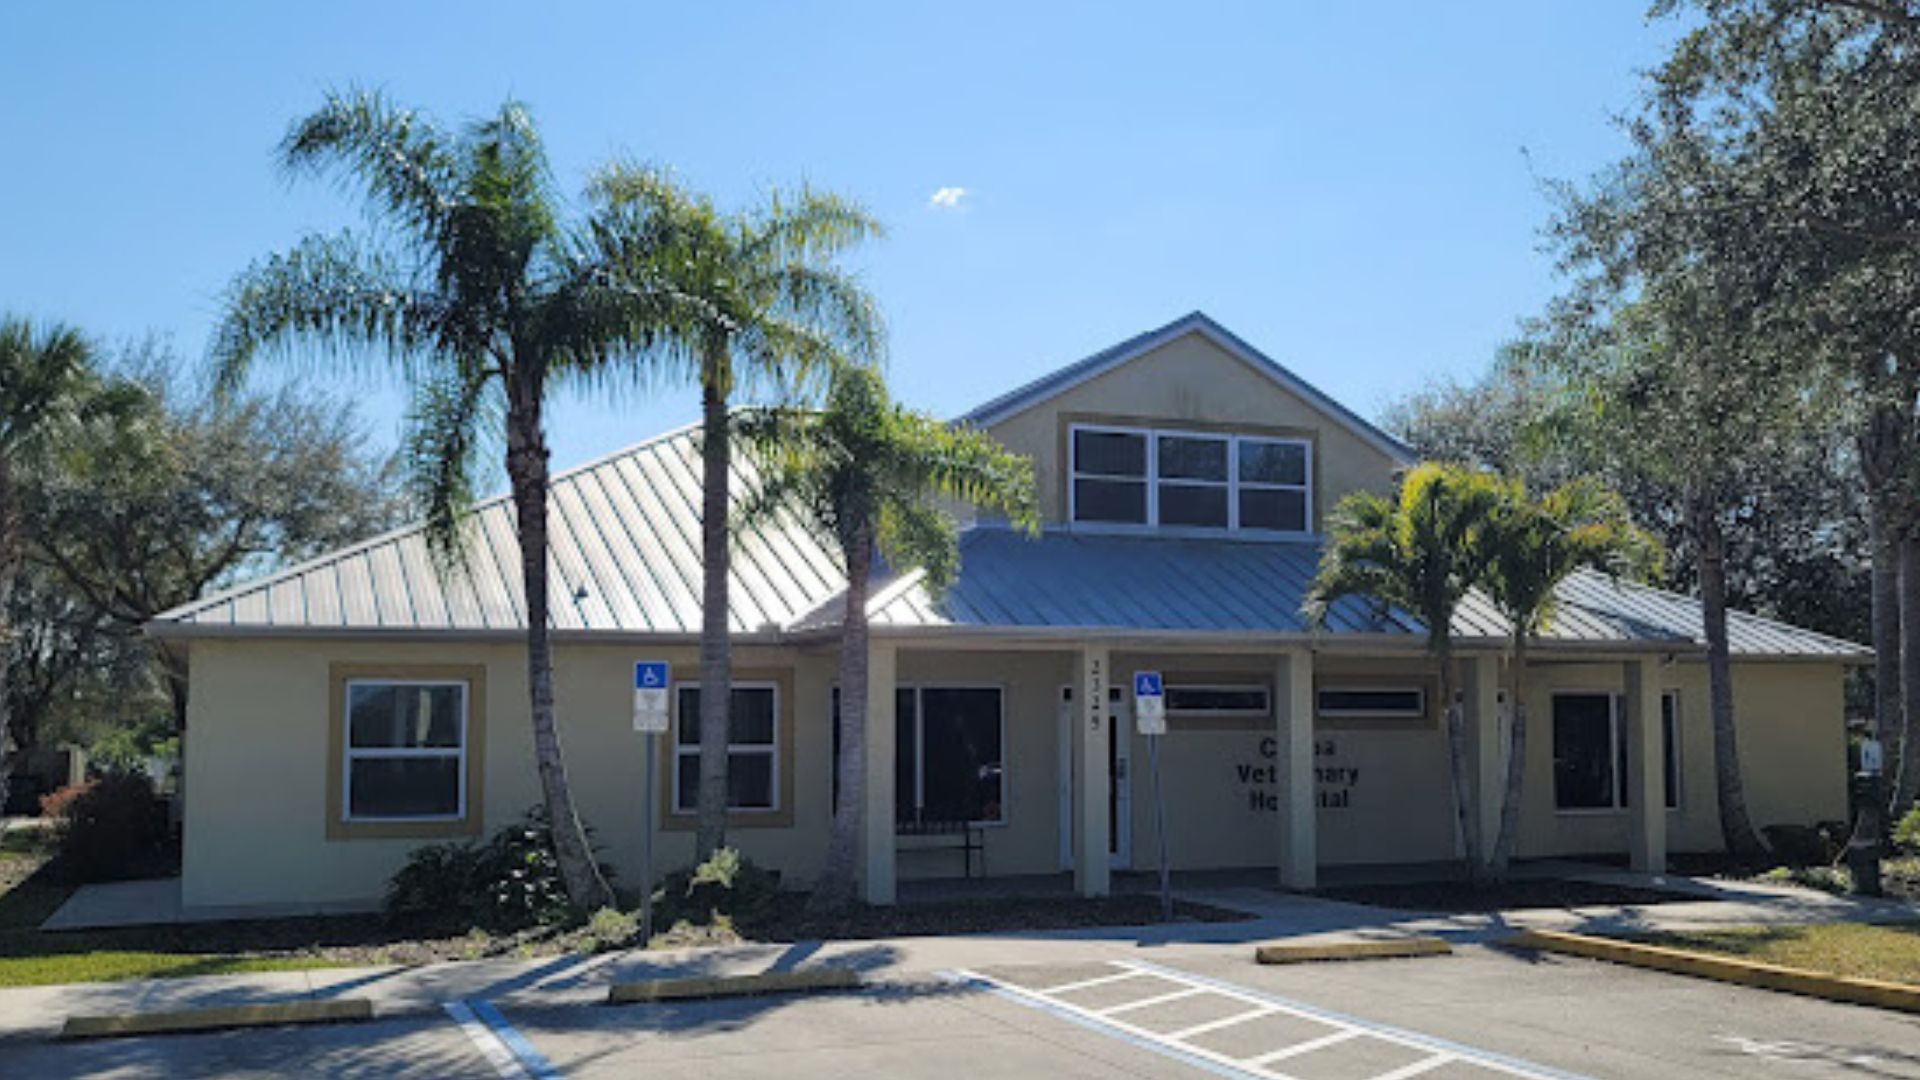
468 824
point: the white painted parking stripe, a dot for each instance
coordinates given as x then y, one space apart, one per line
1083 984
1307 1047
1437 1052
1226 1021
484 1040
1418 1067
1157 999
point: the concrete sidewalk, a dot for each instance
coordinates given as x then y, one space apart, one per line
29 1012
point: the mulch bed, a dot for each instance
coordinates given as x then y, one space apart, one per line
1460 898
370 939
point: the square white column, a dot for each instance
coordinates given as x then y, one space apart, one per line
1487 764
877 824
1091 832
1293 740
1646 767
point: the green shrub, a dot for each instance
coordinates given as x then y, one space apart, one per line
1830 879
725 889
106 827
509 883
610 929
1806 845
1906 834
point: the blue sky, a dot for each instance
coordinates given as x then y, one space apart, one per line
1354 188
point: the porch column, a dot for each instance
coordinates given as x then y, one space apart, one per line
1646 767
1293 740
1091 873
1488 749
877 827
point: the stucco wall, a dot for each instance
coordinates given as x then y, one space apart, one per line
257 764
1191 382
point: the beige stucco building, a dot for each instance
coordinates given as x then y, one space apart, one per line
348 709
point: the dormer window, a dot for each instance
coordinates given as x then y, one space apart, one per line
1187 480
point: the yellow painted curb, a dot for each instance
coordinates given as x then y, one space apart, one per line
1289 953
338 1011
1884 995
712 986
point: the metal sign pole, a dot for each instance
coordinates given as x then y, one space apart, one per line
646 849
1160 830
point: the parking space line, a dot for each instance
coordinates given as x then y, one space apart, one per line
502 1059
1086 983
1225 1021
1307 1047
1434 1052
1418 1067
1157 999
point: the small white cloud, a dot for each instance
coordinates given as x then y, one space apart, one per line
947 198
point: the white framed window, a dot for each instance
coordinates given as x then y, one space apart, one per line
753 748
405 750
1590 750
1371 702
1217 700
1172 479
949 753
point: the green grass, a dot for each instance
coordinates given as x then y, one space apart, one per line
106 965
1890 952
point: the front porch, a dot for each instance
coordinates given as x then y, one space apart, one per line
1281 793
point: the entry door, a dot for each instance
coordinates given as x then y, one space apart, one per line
1119 768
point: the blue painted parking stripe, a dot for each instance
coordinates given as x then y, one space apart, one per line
532 1060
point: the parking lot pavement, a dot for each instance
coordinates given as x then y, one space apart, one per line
1185 1013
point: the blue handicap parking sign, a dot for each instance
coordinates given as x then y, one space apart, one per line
650 675
1146 684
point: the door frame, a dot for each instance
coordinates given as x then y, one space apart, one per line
1120 736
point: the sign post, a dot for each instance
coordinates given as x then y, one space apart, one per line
650 685
1863 847
1150 717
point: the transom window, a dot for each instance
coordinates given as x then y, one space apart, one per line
406 750
753 748
1372 702
1193 480
1217 700
1590 751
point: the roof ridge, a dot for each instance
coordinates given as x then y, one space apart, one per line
402 531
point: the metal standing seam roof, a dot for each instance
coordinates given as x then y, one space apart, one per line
1078 582
624 557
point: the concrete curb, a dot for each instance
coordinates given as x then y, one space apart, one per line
1874 992
714 986
220 1018
1302 953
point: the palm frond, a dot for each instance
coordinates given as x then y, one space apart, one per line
447 426
401 158
330 292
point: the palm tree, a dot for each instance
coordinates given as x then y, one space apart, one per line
867 472
758 299
1421 552
1530 547
45 375
473 290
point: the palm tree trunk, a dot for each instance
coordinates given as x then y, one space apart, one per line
9 574
1504 848
1907 778
1736 828
834 889
716 661
527 473
1457 758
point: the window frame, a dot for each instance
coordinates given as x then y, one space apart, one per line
1233 485
771 748
338 824
1320 711
1618 751
350 754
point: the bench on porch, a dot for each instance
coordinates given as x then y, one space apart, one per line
966 837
